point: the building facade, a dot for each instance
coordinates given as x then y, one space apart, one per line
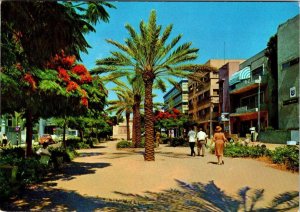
249 96
176 98
288 74
120 130
204 97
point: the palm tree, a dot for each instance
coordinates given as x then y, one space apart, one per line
148 54
123 104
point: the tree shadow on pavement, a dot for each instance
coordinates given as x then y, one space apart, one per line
174 154
208 197
190 197
89 154
73 169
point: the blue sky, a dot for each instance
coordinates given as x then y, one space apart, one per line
244 27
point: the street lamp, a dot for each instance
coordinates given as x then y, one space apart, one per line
258 114
210 119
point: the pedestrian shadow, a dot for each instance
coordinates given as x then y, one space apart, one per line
212 162
191 197
73 169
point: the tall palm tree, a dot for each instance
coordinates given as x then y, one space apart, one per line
124 104
148 54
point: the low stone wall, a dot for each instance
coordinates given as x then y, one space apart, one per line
274 136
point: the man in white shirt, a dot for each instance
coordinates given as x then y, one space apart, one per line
192 140
201 141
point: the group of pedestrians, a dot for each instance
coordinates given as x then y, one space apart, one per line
200 139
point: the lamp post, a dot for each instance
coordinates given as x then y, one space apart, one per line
258 113
210 119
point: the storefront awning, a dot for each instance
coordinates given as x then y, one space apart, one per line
240 75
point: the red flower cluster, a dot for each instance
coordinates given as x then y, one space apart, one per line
174 113
63 74
72 86
84 101
79 69
68 61
60 60
85 78
29 78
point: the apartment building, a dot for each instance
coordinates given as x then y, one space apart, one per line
225 72
249 95
204 97
177 98
288 74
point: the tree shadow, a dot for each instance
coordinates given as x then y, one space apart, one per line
208 197
73 169
174 155
89 154
117 155
190 197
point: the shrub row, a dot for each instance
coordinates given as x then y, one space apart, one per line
129 144
287 155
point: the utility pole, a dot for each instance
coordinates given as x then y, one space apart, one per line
258 99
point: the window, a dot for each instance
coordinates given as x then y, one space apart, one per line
290 63
257 72
215 92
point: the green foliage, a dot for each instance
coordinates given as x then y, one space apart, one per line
124 144
238 150
68 155
178 142
288 155
75 143
30 170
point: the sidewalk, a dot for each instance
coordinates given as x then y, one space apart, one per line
105 172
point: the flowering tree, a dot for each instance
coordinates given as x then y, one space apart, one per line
62 89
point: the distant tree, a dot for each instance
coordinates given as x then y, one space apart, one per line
271 54
123 104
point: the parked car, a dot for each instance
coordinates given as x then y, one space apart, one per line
46 138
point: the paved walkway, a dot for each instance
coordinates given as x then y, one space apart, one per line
105 172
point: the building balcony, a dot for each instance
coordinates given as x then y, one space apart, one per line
248 109
248 85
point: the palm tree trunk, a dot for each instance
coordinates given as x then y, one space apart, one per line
149 118
133 131
127 125
137 118
29 132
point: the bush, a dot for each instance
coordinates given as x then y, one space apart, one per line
288 155
30 170
68 155
75 143
124 144
178 142
238 150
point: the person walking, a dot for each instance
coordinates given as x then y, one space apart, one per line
192 140
219 139
201 141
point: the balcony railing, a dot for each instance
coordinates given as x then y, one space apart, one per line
246 83
248 109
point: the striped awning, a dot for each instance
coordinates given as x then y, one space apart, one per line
240 75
